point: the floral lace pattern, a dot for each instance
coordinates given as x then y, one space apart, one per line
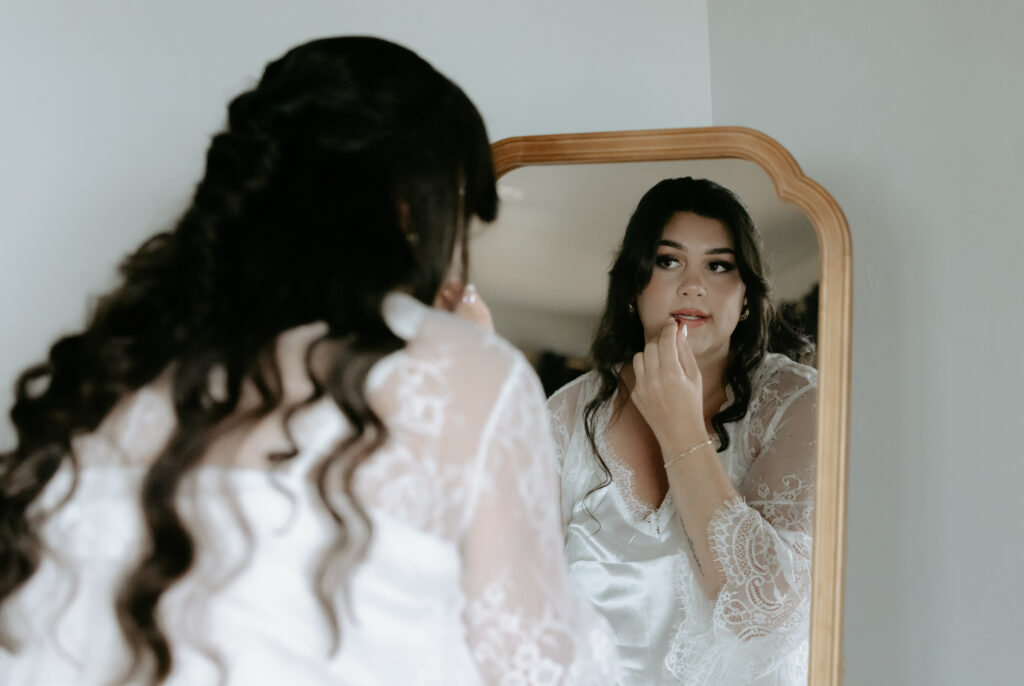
767 577
409 478
757 627
464 491
521 623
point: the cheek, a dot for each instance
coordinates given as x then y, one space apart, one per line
734 297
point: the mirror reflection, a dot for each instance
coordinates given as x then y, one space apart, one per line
686 438
542 265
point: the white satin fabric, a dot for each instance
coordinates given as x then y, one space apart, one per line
464 581
631 561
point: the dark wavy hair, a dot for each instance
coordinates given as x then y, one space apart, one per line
350 170
620 334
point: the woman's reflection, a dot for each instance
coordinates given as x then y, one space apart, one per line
687 452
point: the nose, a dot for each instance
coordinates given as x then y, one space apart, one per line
691 286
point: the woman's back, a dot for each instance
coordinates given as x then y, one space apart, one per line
463 580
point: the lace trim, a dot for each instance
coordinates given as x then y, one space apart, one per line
759 622
767 589
623 480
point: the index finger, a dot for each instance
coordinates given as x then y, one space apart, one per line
686 357
667 350
448 296
473 308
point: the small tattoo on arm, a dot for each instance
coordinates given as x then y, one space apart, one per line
693 550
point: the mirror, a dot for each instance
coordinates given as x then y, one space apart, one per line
542 268
542 265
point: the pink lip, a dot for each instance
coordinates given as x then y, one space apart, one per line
682 314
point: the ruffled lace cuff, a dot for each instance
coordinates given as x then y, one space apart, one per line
759 622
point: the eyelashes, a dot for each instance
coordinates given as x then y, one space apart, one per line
667 261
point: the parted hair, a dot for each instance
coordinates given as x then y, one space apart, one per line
620 334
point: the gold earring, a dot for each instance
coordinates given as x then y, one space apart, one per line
745 314
630 308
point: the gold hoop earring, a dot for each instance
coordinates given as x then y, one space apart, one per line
630 308
745 314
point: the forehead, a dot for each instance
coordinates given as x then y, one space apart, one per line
695 232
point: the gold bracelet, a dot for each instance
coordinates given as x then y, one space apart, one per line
692 449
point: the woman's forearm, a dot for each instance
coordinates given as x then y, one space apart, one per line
700 488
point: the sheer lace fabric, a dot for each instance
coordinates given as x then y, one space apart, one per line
463 582
630 559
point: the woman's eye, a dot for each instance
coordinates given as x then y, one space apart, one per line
666 261
720 267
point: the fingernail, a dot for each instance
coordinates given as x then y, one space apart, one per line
684 330
469 294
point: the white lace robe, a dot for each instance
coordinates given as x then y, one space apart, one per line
464 581
632 563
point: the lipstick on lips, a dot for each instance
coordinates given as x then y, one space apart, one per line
691 317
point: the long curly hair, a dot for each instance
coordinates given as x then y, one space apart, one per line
350 170
620 334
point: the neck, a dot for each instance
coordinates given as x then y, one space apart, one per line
712 374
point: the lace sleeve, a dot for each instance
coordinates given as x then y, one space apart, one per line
524 623
562 411
762 542
562 414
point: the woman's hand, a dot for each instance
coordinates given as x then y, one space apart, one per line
464 301
668 390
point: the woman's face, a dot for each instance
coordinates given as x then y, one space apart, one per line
694 281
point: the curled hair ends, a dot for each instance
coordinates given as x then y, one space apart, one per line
295 220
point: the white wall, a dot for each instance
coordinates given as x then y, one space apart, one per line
911 112
107 108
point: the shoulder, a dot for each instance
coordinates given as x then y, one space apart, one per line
474 349
778 374
465 357
436 333
580 387
780 387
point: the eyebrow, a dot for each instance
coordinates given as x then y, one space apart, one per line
713 251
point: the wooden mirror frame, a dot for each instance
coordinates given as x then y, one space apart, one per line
834 308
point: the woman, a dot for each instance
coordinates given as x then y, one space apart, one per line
266 460
687 454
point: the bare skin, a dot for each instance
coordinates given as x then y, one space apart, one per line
465 302
667 393
676 384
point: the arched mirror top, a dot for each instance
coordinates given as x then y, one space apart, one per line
712 146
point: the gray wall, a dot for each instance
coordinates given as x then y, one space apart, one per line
107 108
910 113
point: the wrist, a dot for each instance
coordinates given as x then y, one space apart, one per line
695 448
680 437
